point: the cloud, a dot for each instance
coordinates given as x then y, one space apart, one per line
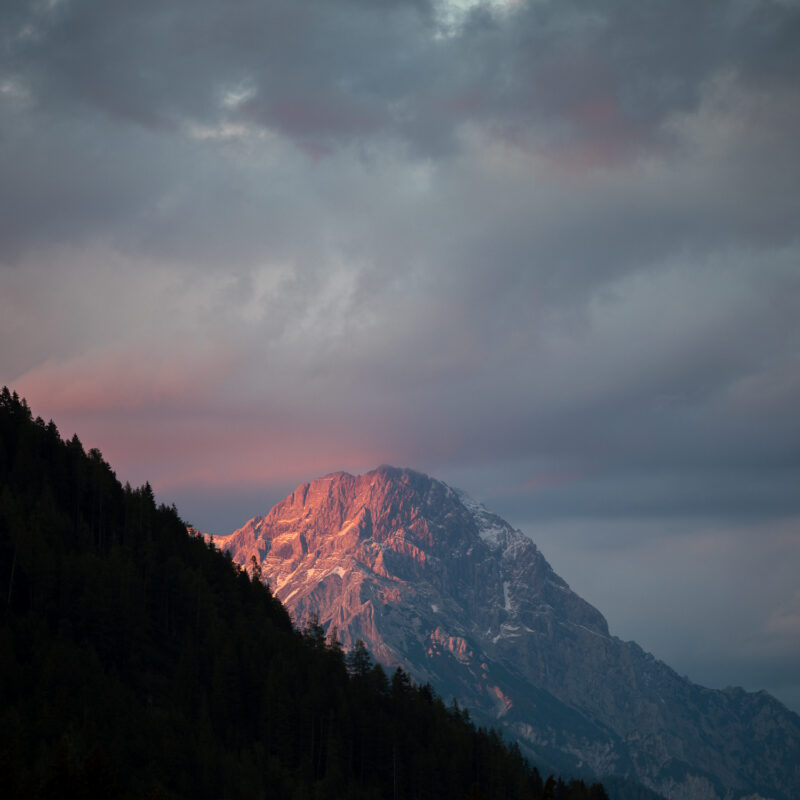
325 73
122 382
545 250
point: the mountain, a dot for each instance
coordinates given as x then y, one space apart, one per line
431 580
139 662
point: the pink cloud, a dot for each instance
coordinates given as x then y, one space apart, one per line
120 380
583 93
176 422
602 137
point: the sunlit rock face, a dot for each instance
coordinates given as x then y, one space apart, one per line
434 582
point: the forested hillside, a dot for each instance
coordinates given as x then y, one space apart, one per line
138 661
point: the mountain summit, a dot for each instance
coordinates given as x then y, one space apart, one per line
431 580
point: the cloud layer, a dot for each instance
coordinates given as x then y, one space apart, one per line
545 250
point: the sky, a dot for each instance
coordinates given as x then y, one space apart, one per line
545 250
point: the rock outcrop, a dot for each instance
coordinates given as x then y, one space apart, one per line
434 582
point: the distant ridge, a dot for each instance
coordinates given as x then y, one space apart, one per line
433 581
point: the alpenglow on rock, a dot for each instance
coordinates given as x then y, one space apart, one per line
432 581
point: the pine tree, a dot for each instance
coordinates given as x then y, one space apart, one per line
359 661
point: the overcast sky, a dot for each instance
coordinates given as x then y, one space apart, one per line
545 250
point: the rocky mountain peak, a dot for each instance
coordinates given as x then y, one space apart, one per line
433 581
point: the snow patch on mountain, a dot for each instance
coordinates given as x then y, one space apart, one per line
507 596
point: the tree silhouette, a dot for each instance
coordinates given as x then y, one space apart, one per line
137 661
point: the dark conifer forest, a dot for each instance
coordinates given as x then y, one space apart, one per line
138 661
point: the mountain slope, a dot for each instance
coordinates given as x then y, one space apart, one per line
139 662
431 580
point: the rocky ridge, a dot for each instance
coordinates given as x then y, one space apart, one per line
432 581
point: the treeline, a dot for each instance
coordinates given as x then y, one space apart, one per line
138 661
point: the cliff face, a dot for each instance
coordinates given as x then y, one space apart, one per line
432 581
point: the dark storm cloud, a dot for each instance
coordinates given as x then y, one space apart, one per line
582 82
308 69
327 73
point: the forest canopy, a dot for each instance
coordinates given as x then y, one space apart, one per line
136 660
